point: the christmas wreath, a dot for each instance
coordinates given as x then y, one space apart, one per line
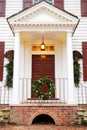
44 81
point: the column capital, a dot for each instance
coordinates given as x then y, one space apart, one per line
69 32
17 31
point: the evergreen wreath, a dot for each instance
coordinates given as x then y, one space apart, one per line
44 81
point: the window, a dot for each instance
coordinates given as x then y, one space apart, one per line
59 3
83 8
84 50
27 3
2 8
35 1
1 60
49 1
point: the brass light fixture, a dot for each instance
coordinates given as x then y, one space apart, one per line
42 44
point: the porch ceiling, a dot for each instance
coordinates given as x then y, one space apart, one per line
48 36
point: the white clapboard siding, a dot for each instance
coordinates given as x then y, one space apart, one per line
13 6
6 36
72 6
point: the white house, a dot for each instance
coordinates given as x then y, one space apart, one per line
23 25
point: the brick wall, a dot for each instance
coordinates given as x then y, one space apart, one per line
62 115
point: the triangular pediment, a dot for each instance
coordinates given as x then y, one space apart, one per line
42 13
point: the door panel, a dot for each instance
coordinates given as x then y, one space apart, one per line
42 66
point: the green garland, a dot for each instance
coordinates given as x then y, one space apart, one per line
76 74
9 67
44 81
9 76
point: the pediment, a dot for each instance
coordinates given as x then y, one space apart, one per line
42 16
42 13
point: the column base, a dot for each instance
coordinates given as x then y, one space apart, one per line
72 101
15 102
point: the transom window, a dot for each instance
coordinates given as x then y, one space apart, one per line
36 1
47 48
57 3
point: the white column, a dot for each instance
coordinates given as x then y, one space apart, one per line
16 69
30 85
57 69
28 66
71 99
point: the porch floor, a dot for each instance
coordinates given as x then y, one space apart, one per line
36 102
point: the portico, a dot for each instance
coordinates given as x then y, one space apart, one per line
57 26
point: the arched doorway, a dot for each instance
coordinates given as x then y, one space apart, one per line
43 119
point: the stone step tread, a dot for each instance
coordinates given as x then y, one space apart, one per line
81 110
6 110
6 113
1 114
80 113
85 114
85 118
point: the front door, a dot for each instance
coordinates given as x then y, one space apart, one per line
43 66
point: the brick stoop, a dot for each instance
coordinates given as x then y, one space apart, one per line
61 114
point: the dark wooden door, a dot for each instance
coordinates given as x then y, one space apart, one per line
43 66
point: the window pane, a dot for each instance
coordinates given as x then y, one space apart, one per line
50 1
36 1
